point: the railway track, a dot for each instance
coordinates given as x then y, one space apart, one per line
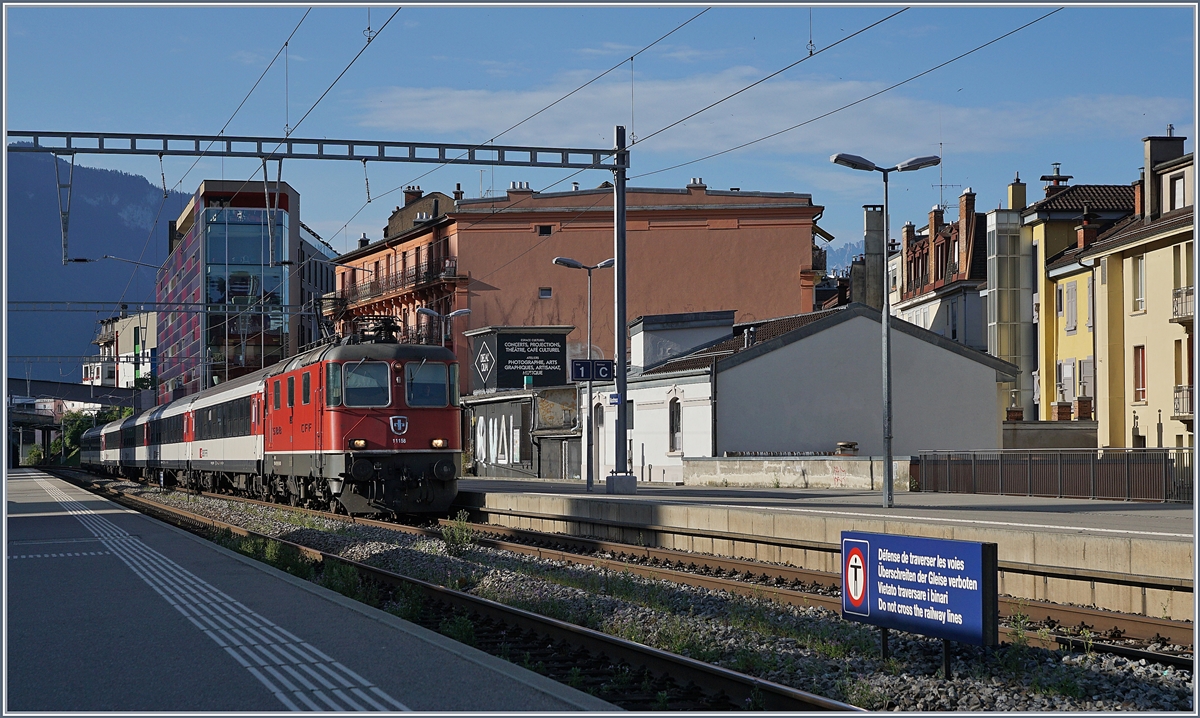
644 677
1038 623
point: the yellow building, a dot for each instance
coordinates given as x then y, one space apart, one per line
1058 227
1142 270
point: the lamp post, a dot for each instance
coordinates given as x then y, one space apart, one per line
445 319
861 163
573 264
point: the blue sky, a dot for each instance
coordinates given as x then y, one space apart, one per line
1081 87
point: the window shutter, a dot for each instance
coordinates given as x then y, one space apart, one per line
1072 314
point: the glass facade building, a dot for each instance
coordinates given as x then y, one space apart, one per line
231 292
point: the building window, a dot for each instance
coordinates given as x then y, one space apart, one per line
1058 300
1178 201
1139 373
544 230
544 292
675 427
1139 283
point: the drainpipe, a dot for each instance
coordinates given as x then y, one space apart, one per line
1095 331
712 402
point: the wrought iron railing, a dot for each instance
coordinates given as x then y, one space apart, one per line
1117 474
1183 303
424 273
1183 401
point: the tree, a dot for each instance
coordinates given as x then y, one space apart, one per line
34 457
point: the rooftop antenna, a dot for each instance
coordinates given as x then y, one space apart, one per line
941 185
811 46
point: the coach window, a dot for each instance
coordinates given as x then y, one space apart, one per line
276 394
366 384
291 391
304 388
333 385
428 384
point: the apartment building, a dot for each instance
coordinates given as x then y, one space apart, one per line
1142 269
689 249
128 354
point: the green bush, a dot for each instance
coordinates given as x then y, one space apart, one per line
458 534
34 457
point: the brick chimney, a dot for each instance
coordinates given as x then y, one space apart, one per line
935 221
908 234
412 193
1058 182
1086 232
1139 200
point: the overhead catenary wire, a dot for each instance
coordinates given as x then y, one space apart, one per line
514 126
768 77
849 104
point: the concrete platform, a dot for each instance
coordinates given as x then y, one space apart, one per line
109 610
1151 539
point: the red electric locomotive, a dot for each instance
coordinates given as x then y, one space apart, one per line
365 426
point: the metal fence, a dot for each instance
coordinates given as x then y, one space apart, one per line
1120 474
406 278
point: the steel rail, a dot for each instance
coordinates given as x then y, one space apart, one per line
1165 583
713 679
1128 625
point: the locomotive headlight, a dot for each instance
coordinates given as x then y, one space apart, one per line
358 443
438 443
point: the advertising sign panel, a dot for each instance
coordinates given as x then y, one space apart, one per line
933 587
519 357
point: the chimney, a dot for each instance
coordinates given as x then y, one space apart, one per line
458 191
434 214
412 193
574 186
748 337
1086 232
908 233
363 241
697 183
1016 193
873 256
1139 201
935 222
1058 182
1158 150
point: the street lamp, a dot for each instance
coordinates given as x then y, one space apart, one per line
574 264
444 318
855 162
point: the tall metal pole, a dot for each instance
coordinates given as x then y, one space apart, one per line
590 426
887 355
619 169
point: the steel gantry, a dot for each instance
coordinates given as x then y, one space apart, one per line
616 160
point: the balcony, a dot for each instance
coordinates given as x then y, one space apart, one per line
410 278
1183 404
1183 305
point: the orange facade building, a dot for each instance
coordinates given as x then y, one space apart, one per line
689 250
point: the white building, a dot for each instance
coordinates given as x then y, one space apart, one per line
797 385
128 352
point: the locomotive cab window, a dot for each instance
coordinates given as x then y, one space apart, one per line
333 384
366 384
427 383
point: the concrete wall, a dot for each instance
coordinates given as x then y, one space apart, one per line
808 472
827 388
1049 434
1164 558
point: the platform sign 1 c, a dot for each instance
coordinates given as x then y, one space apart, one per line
933 587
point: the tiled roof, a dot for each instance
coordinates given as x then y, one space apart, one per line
1098 197
1132 229
764 330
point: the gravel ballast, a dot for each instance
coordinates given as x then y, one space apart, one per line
809 648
